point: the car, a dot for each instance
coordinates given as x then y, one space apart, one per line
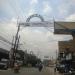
3 66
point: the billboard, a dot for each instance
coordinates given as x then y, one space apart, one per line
64 27
65 44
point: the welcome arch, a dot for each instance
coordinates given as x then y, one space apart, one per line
35 15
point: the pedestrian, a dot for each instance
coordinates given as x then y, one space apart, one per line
55 69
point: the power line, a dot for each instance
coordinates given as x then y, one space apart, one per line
5 40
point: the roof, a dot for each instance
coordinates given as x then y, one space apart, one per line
64 27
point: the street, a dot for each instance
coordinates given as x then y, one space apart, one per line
30 71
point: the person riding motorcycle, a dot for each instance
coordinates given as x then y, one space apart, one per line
16 67
40 66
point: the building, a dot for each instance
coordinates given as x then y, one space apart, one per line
4 54
67 28
66 48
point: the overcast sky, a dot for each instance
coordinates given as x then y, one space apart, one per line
40 40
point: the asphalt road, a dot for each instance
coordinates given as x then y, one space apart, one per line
30 71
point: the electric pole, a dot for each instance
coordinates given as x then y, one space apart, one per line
16 44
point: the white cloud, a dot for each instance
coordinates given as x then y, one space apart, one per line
7 30
70 18
72 1
63 9
33 2
31 11
14 20
46 7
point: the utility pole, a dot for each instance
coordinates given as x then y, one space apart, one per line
12 42
18 42
15 44
56 56
11 53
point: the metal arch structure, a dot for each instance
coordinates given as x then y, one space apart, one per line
42 23
35 15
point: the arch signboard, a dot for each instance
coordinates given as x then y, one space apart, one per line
35 15
42 23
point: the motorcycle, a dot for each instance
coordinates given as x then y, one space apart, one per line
70 72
